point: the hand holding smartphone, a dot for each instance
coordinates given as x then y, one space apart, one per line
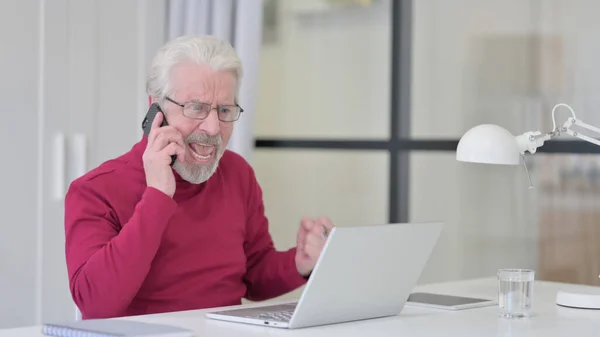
147 123
164 146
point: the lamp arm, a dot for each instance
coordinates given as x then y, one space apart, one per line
530 141
573 121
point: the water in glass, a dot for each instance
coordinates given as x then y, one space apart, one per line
515 292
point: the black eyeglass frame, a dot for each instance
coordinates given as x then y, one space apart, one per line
182 106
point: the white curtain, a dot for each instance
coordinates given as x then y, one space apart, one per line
240 23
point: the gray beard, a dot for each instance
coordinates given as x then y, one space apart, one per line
199 173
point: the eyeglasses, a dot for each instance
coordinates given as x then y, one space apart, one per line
199 110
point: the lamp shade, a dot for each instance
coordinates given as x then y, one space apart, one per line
488 144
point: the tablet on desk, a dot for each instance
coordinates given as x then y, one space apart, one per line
447 302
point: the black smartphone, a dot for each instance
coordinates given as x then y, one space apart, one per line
147 123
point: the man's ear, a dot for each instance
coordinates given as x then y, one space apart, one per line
149 100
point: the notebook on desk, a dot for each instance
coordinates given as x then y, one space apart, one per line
112 328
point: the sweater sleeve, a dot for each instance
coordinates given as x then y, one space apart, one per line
270 273
107 262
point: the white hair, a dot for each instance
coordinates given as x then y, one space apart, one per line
202 49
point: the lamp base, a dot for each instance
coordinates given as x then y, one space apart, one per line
583 299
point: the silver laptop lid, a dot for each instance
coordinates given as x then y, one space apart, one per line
366 272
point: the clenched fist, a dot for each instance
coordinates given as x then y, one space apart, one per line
310 241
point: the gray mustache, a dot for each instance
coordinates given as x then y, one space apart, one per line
204 138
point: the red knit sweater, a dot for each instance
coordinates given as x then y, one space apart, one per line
132 250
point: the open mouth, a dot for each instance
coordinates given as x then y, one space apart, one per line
201 152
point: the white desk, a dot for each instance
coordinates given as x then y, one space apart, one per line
548 319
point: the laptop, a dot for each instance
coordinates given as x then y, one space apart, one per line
363 272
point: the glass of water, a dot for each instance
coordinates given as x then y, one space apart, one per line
515 292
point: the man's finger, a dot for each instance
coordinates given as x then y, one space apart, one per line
311 250
307 248
180 152
301 239
316 239
326 222
316 230
307 223
158 118
167 136
174 149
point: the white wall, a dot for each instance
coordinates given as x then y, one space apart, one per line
19 178
75 68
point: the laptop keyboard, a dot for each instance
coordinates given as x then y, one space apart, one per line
282 316
274 313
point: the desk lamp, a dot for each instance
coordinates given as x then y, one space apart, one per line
492 144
